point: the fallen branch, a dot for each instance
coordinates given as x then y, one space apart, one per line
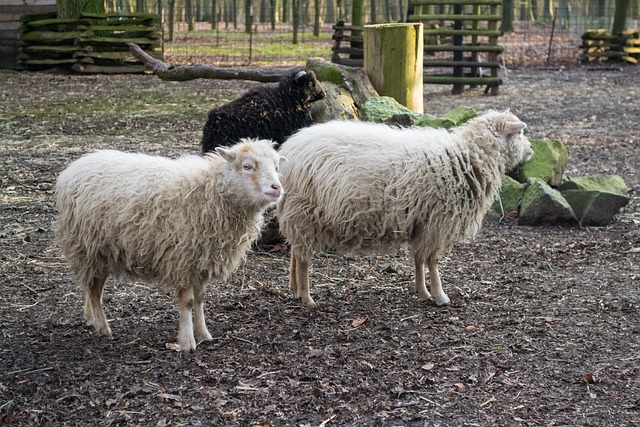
205 71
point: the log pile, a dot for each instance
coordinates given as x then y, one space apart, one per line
94 43
600 46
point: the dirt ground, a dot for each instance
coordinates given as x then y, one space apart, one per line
543 329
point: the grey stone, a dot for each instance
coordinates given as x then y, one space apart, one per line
511 194
542 204
595 207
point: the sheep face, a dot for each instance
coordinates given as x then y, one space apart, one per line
515 146
254 166
306 86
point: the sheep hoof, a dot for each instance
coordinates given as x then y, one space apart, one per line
187 347
204 337
442 300
309 303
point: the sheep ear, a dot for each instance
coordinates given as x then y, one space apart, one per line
225 153
300 74
515 127
283 159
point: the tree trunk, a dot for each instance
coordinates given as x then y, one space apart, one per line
620 17
547 10
316 17
141 6
188 14
296 19
507 16
393 62
248 15
274 4
172 14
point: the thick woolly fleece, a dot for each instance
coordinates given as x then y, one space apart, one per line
355 186
180 223
268 112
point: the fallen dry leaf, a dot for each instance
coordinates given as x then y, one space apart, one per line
359 321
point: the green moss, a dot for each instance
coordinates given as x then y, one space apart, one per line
610 183
548 163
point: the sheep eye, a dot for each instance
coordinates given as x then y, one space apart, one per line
248 167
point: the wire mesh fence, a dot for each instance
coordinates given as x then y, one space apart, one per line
260 32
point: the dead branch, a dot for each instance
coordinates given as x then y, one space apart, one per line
205 71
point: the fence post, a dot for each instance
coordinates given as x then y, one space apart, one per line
393 61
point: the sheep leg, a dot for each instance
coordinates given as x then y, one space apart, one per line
186 340
436 285
293 282
302 281
420 283
200 327
93 310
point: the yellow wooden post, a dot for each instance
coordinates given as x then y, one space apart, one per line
393 61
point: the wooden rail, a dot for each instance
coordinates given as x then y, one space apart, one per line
601 46
351 54
461 42
94 43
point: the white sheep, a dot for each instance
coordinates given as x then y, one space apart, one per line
180 223
365 187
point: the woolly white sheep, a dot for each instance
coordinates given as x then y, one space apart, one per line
180 223
364 187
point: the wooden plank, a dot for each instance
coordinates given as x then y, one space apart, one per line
51 36
51 62
451 63
453 2
49 49
119 15
348 50
115 41
9 26
52 22
100 69
337 27
463 48
454 17
447 79
28 3
125 28
357 39
446 31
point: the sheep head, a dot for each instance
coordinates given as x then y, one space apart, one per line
253 171
505 133
306 86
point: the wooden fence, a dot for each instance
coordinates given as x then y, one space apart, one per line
10 12
93 43
601 46
458 33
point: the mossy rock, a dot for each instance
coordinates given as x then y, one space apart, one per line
608 183
511 194
460 115
336 105
542 204
548 163
595 207
427 120
450 119
383 108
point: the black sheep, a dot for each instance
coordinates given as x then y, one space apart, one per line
267 112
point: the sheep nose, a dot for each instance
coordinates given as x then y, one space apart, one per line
276 186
